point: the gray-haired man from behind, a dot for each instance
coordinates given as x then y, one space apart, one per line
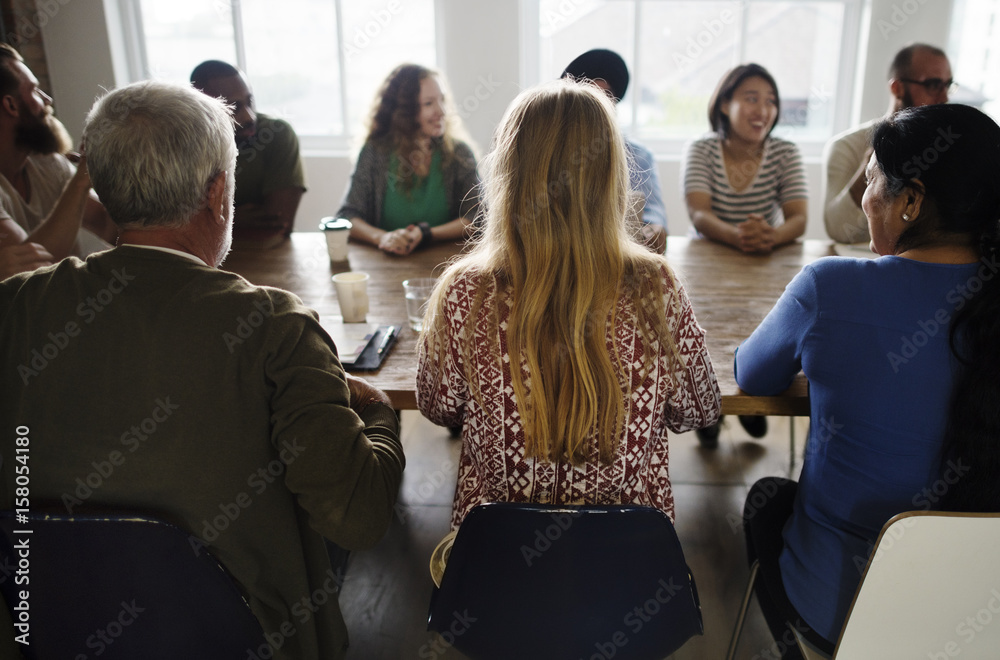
270 427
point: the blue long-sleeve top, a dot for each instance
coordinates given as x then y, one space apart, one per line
872 338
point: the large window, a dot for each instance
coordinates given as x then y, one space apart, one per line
317 63
975 54
677 50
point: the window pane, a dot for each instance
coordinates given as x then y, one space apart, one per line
569 29
686 48
812 31
291 55
291 61
180 34
681 48
975 53
379 35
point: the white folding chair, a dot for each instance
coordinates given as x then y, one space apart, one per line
931 589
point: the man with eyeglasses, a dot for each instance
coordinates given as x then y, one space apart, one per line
919 75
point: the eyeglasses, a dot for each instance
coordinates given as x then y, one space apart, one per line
934 85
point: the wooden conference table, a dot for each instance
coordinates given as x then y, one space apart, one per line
731 293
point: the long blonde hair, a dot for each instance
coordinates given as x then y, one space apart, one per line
556 237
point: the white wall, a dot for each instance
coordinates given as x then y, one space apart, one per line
480 57
79 54
894 24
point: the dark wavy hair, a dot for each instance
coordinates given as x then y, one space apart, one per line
727 87
395 118
951 153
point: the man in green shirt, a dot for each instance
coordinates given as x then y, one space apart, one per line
269 176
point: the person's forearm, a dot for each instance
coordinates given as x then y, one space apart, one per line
450 231
710 226
282 204
58 231
366 233
794 227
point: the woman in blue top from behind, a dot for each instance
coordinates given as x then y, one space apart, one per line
901 354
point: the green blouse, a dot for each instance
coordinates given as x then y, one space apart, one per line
425 202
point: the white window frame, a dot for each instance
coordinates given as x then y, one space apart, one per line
137 63
672 148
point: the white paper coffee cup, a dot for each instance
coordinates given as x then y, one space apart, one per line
352 294
337 231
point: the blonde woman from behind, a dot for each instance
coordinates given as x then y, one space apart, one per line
564 349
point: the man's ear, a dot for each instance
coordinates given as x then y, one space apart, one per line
896 88
10 105
217 198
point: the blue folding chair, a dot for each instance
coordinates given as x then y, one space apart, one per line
122 586
537 581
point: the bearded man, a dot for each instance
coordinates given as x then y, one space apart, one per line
920 74
44 199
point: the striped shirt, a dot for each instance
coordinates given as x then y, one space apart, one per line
780 178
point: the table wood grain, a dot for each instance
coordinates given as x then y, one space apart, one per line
731 293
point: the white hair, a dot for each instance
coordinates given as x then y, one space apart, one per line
153 148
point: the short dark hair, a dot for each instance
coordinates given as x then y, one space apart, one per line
724 92
604 64
9 82
209 70
901 66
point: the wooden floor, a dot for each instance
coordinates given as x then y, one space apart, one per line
387 590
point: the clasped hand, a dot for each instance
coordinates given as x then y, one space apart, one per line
401 241
755 235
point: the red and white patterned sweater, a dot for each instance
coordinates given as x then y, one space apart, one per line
493 467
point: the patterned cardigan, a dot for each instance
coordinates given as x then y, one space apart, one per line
366 192
493 466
